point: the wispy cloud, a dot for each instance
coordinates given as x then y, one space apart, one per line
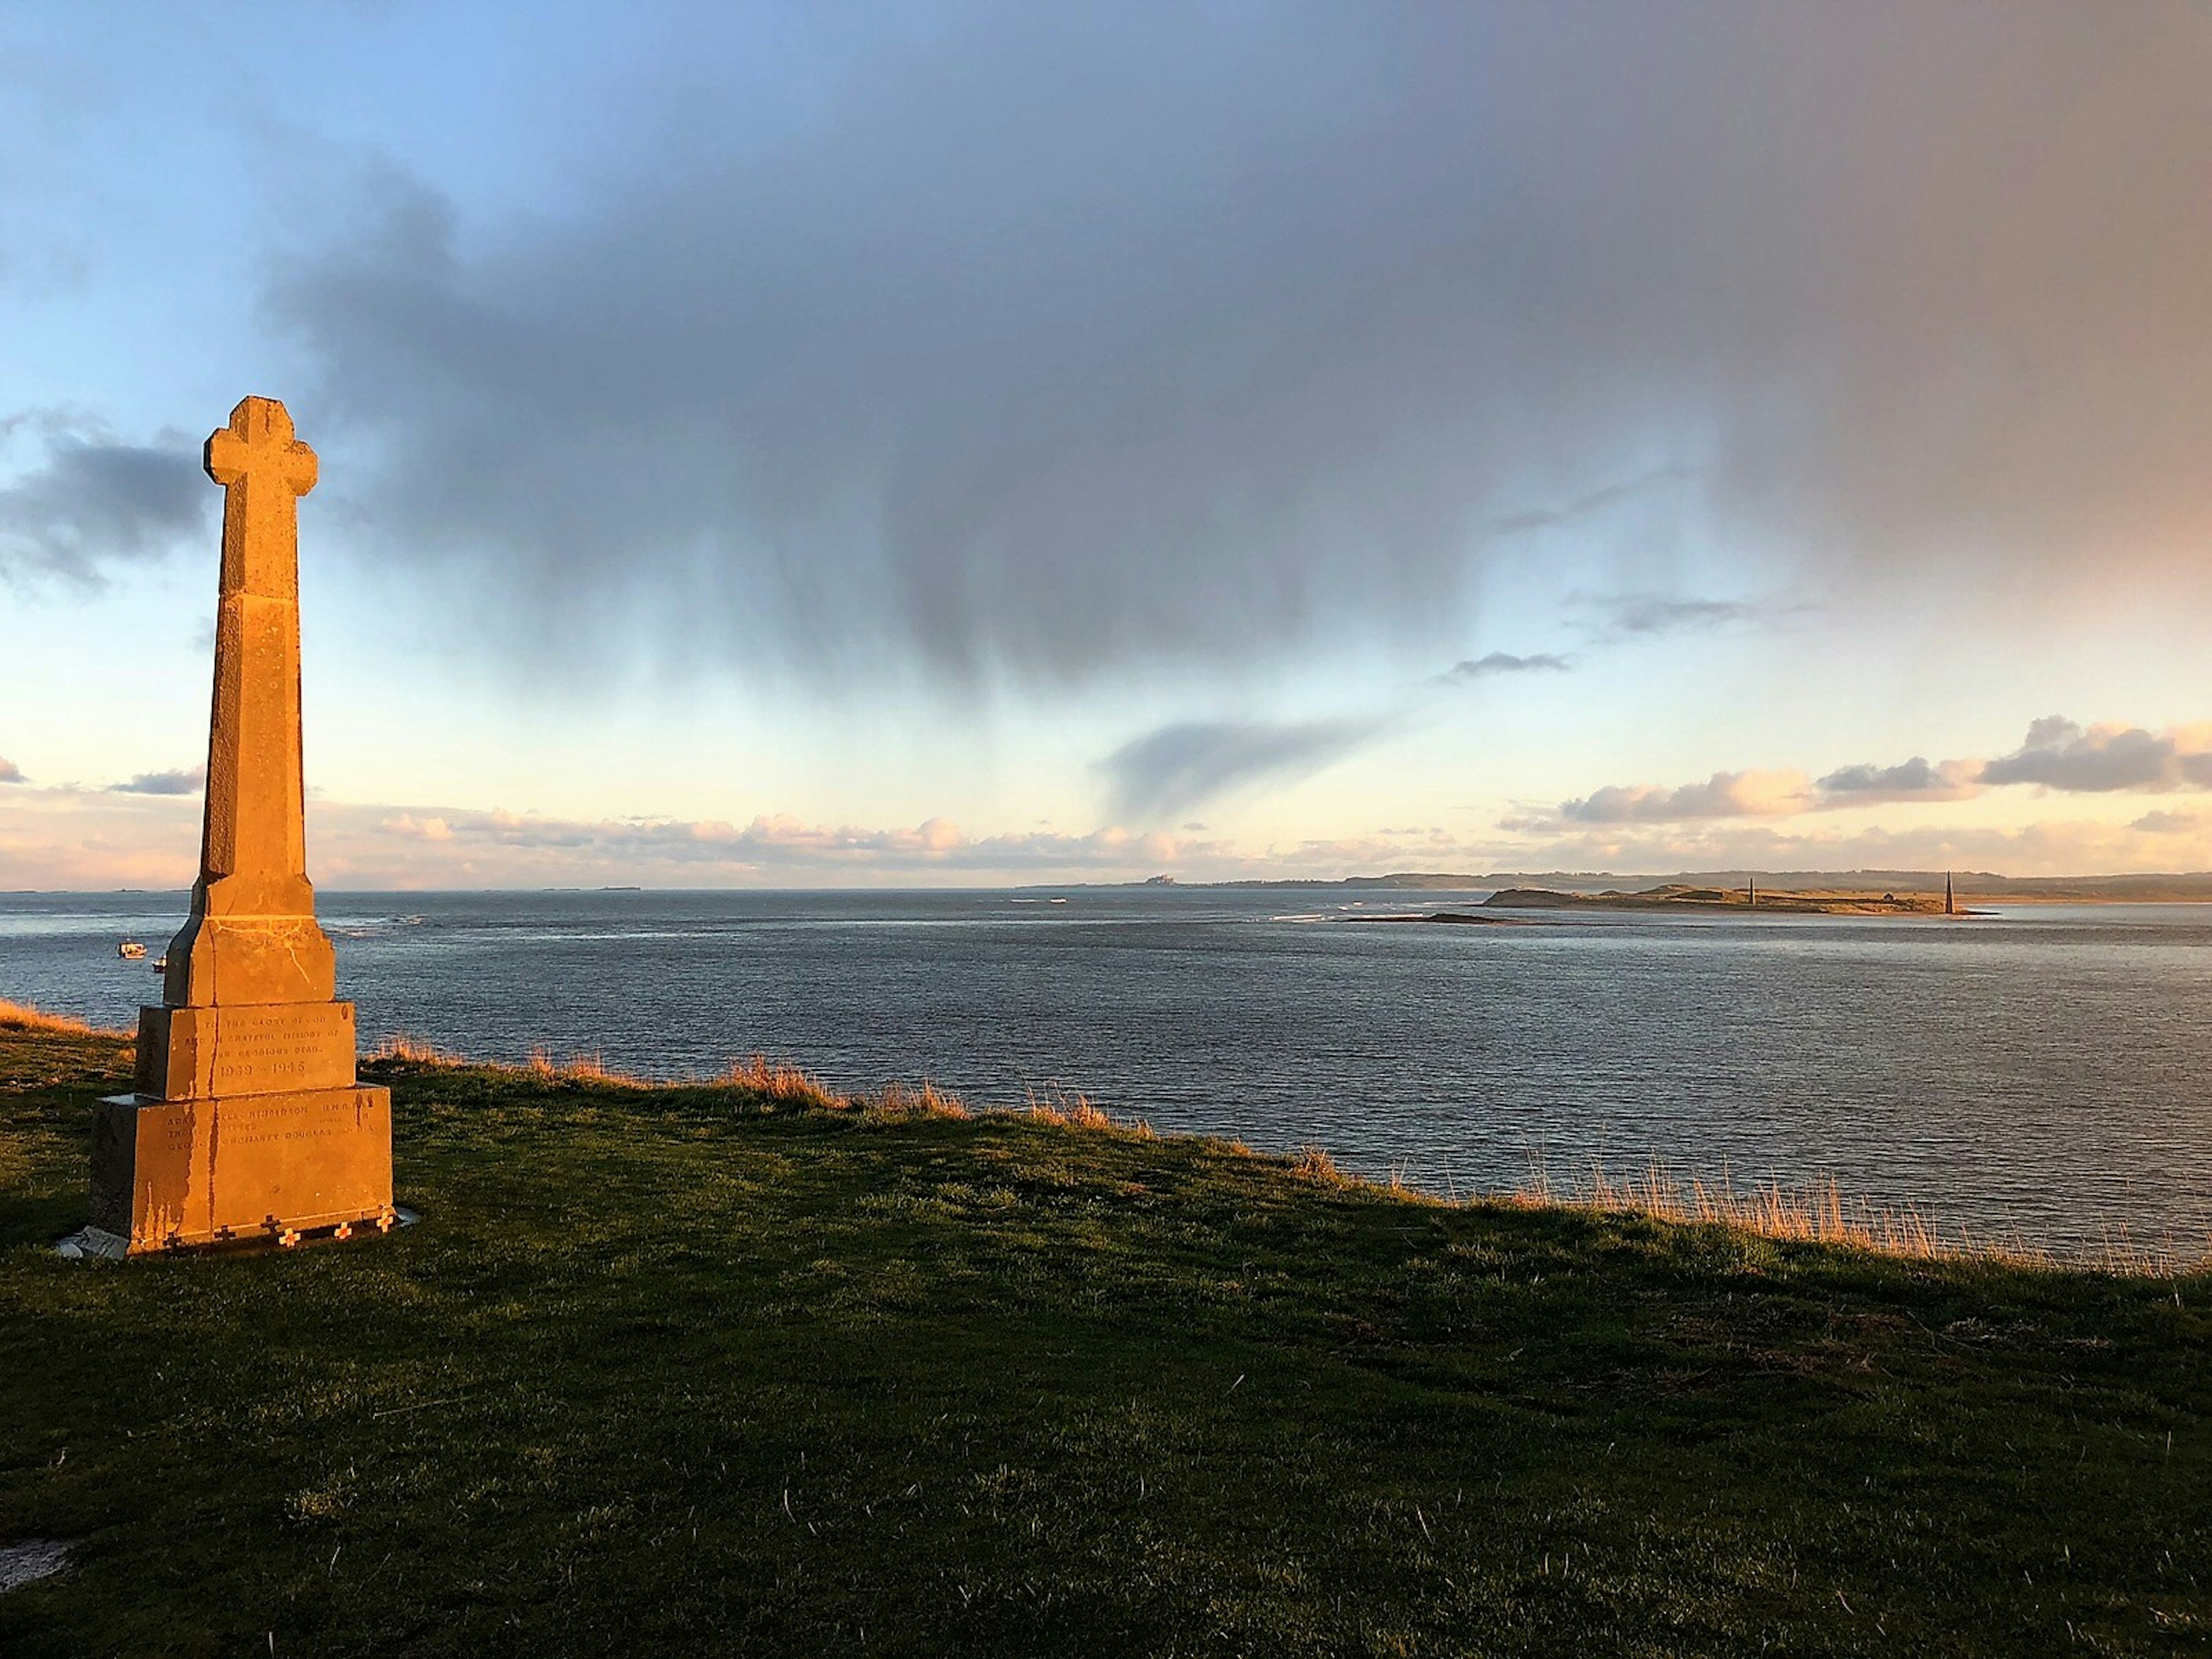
1618 618
1588 504
1175 768
93 501
1504 662
183 781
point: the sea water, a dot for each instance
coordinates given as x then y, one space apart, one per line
2042 1073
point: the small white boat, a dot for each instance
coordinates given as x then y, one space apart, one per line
131 950
161 964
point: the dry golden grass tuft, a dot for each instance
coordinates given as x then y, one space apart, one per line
776 1083
1069 1110
1312 1162
784 1083
1817 1212
415 1052
1820 1212
2120 1253
582 1068
22 1017
925 1099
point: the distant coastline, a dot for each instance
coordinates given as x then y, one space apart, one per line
1833 887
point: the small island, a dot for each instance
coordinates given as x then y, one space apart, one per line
1676 896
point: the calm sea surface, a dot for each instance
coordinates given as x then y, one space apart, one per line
2044 1073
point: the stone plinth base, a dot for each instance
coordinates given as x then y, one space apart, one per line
244 1049
172 1173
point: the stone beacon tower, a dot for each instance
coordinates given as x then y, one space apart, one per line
246 1121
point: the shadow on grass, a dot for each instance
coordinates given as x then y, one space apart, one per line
728 1367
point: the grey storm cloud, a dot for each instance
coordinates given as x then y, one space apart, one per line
2059 754
1175 767
1916 779
184 781
93 501
1504 662
1056 338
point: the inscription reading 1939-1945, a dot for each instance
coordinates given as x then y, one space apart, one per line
261 1050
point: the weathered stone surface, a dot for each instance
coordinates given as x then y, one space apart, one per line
169 1173
246 1118
190 1054
252 936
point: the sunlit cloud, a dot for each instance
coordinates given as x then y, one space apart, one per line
428 828
771 842
1723 795
2164 822
2059 754
66 838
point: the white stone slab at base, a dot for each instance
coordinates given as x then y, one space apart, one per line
93 1244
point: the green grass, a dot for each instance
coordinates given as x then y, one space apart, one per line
665 1371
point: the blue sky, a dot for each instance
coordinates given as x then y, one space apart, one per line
953 444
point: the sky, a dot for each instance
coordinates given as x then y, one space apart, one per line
902 445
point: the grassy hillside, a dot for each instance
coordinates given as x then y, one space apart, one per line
701 1369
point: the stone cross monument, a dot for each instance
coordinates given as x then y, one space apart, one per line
246 1121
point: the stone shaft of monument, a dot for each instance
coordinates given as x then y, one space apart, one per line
248 1118
253 937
